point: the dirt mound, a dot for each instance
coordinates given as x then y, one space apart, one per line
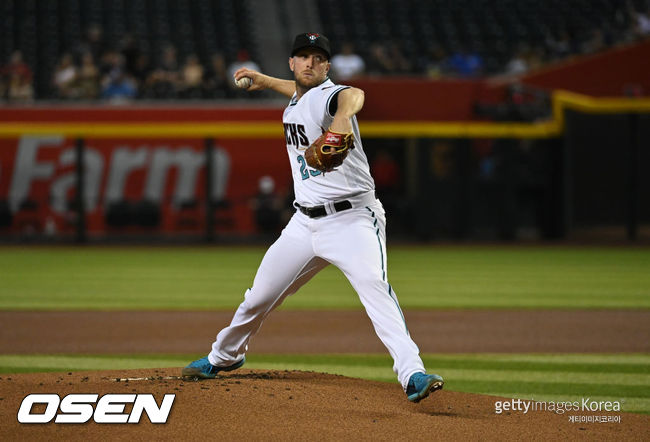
263 405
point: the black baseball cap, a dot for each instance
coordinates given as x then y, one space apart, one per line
311 40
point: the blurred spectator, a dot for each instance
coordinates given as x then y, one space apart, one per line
108 61
243 61
435 63
640 20
164 81
536 58
131 52
216 81
119 87
560 46
466 63
65 77
347 64
402 65
191 77
518 64
267 206
19 89
17 66
141 72
88 77
16 79
112 62
378 62
388 59
525 59
643 22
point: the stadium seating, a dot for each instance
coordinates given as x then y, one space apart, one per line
493 29
43 31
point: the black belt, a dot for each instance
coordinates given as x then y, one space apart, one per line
318 211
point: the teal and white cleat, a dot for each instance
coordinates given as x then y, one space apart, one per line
202 368
421 385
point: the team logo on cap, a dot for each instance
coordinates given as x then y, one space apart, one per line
313 37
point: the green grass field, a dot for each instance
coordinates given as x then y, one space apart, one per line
201 278
215 278
566 377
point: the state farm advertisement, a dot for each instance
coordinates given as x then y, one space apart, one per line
167 176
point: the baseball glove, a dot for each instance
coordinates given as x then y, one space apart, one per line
329 150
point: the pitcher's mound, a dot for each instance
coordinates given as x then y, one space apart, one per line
280 405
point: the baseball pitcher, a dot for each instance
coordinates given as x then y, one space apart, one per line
338 219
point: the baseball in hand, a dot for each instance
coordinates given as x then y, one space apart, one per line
244 82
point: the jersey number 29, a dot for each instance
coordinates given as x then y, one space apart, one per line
305 171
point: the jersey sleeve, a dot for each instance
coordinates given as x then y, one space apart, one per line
325 105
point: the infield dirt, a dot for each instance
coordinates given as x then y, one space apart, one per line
292 405
445 331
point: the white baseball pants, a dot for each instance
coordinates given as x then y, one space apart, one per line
354 240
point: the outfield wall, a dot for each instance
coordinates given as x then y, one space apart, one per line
143 170
167 173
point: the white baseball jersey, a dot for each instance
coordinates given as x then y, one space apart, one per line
304 121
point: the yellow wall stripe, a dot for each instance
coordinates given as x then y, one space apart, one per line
561 101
